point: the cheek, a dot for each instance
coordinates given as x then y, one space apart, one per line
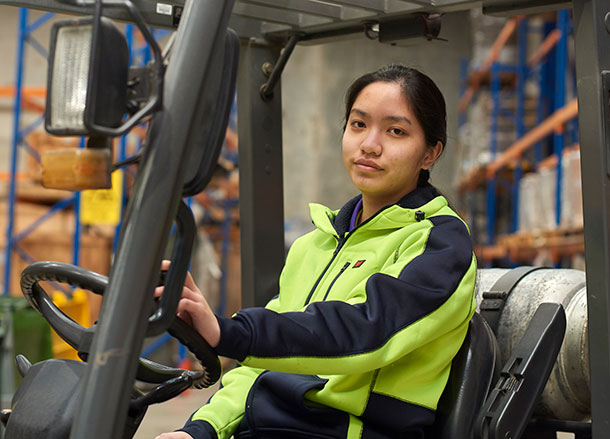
345 148
420 156
411 160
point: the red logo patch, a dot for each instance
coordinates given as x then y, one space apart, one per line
359 263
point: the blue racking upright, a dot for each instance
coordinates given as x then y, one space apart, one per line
517 114
561 67
25 36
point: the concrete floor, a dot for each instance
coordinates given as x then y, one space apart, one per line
172 414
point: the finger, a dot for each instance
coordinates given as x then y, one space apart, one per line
190 307
189 282
190 294
194 295
159 291
192 312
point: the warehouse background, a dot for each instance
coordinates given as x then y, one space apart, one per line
526 223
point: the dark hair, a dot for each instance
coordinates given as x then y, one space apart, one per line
422 95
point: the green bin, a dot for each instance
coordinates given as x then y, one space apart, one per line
22 331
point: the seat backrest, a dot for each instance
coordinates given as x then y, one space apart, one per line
474 371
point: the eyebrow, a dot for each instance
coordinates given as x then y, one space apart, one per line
388 118
398 119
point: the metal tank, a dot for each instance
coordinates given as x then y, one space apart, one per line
567 393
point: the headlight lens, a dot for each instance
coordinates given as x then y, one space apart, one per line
70 75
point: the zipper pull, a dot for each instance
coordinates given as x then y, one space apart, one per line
347 264
340 242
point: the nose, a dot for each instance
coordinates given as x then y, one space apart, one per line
371 144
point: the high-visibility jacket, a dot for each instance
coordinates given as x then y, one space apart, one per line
359 341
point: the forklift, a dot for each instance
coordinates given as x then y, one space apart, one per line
92 92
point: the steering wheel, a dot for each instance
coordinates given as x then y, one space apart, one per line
172 380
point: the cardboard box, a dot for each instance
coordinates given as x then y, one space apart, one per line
53 240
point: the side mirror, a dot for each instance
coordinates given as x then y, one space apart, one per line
87 80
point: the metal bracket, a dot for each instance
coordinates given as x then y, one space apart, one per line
495 299
276 71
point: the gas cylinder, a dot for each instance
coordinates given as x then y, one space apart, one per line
567 393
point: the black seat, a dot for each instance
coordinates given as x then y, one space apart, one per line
474 371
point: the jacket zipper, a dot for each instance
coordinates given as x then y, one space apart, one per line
335 279
341 241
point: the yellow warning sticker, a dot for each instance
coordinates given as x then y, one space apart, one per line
103 206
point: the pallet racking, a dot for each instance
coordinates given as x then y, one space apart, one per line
22 101
548 66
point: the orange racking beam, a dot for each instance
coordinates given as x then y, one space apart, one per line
28 94
554 122
30 105
549 42
8 91
20 176
551 161
505 34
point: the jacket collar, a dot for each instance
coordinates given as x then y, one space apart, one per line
396 215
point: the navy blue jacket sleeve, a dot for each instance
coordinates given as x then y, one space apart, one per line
199 430
372 333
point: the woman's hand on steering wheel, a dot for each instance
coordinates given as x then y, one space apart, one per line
171 380
195 310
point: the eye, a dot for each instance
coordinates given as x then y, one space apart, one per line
357 124
396 131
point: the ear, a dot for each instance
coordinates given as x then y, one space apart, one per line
431 155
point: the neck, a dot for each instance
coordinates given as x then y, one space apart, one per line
368 210
371 205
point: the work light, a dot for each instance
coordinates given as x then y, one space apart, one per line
87 81
88 84
91 91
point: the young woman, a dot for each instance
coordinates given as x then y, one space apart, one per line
372 305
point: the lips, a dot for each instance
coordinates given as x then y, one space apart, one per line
367 165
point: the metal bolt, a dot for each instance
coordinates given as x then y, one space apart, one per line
267 68
508 435
266 96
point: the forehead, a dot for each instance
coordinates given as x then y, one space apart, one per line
385 101
384 97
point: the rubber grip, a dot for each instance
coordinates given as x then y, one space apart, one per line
200 348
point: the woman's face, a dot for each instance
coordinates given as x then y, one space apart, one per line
384 145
